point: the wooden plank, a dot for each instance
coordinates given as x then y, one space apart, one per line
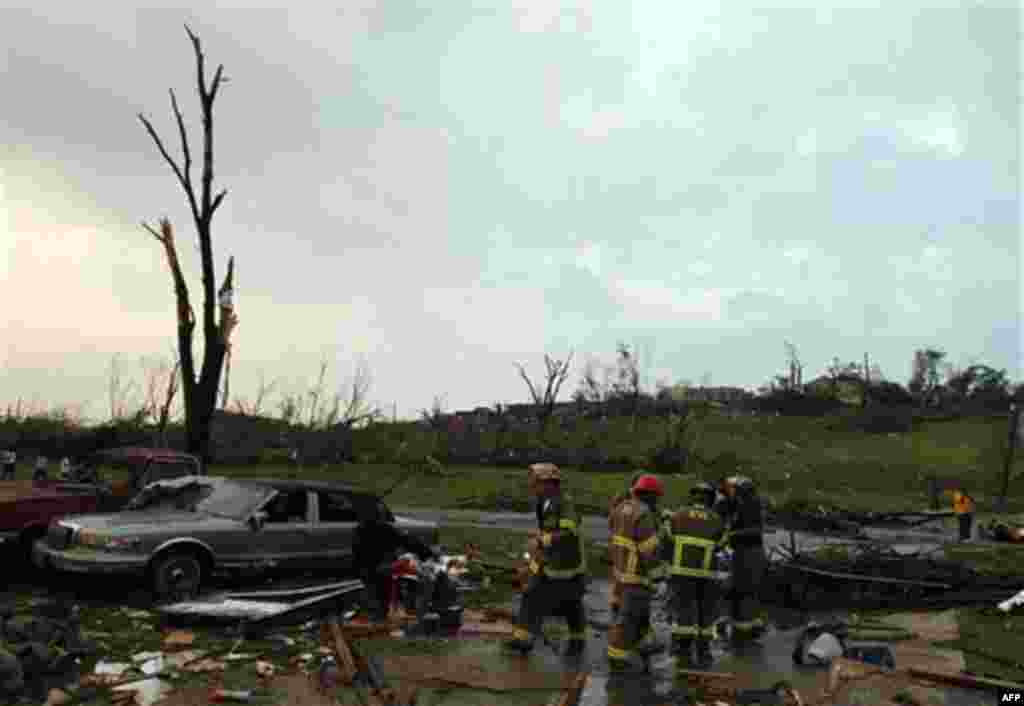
571 695
965 681
864 577
346 662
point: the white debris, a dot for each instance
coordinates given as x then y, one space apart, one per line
147 691
115 668
152 666
825 648
1011 603
143 656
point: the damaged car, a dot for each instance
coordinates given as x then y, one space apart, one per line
177 534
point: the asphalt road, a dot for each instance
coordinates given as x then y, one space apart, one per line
596 529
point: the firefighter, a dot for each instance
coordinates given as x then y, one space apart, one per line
635 564
557 570
615 593
697 533
746 537
963 507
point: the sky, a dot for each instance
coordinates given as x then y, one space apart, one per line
442 190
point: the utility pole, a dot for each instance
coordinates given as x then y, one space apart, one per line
1011 449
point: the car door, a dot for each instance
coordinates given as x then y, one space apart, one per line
285 540
335 525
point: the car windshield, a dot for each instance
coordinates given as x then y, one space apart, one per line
234 500
178 497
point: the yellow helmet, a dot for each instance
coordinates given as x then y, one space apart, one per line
545 471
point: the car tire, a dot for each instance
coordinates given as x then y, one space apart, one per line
177 575
26 541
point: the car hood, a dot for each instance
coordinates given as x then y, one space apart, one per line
155 522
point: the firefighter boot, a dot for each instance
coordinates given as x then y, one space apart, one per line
704 657
682 648
649 645
521 642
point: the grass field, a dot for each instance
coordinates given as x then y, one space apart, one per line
792 459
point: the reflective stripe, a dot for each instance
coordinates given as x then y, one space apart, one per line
577 635
546 539
616 653
648 545
748 625
710 632
567 524
620 541
707 545
632 579
688 630
563 574
520 634
534 567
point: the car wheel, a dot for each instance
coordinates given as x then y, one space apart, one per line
26 541
177 576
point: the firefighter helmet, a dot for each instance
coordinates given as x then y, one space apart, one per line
702 488
648 483
545 471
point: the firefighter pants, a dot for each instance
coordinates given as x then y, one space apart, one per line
693 606
748 566
546 597
632 624
966 525
8 473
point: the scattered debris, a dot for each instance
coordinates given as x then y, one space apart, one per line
1011 603
261 608
178 638
142 693
224 695
56 697
112 668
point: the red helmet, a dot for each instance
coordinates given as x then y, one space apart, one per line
648 484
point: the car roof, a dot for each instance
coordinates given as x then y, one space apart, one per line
136 454
298 484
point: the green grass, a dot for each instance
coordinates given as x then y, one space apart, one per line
1003 560
792 459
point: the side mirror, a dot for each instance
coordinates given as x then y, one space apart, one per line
257 520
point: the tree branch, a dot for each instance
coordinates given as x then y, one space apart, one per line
163 151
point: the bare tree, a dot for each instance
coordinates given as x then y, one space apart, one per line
591 387
119 393
545 394
200 393
255 409
162 385
353 408
627 387
924 376
796 368
434 417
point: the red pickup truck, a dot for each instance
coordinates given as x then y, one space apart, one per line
27 507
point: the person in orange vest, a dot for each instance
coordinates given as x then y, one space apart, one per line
963 506
636 565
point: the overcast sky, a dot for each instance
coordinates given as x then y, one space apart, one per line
446 188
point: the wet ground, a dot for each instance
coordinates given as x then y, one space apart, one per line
758 666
